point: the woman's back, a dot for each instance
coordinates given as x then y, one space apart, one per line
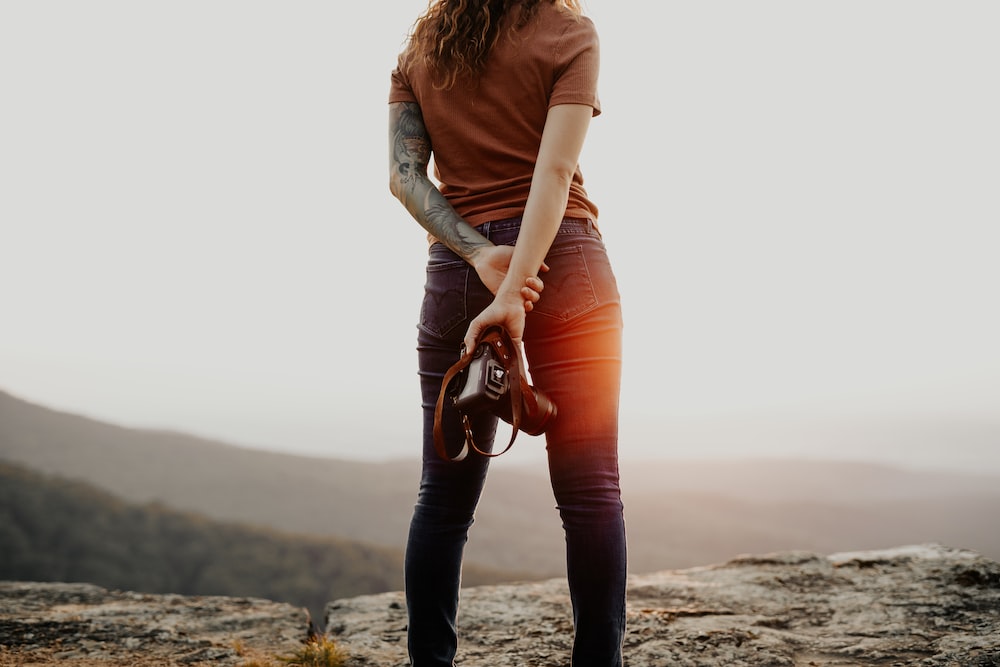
485 134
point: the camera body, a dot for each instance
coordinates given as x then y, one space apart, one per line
483 382
484 385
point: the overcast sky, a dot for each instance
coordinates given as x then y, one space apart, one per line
802 202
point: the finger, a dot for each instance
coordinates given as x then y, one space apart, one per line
528 306
543 268
472 335
535 283
529 294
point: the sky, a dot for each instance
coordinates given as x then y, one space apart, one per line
800 200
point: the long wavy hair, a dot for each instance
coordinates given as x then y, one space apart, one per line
454 37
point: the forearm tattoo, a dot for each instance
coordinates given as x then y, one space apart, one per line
410 153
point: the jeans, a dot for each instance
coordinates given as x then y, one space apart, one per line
572 344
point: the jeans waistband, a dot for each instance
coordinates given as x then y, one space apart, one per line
568 225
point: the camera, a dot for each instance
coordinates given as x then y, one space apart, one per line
485 385
483 382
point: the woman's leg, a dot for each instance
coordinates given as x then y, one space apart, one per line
444 512
449 491
573 344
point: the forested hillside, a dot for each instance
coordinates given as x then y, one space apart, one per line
59 530
679 513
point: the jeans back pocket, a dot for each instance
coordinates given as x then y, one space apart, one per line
569 286
444 305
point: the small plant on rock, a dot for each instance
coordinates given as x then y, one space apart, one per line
319 651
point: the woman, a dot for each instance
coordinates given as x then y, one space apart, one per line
501 93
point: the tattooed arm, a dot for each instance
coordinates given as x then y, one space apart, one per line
409 155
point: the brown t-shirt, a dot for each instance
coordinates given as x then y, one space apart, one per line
485 136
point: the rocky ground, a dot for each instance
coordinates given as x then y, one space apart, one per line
926 605
918 605
79 625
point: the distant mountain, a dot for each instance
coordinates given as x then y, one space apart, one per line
679 513
310 495
52 529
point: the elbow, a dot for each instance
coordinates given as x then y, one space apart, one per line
560 175
395 184
565 177
402 180
559 169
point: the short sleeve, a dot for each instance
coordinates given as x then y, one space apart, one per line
400 89
577 65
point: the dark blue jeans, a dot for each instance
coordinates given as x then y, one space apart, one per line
572 342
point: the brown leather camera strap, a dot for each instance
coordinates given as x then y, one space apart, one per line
508 353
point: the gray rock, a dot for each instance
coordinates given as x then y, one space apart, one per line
925 605
81 621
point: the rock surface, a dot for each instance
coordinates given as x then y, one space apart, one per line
76 624
925 605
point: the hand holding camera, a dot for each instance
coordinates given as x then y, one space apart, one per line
492 379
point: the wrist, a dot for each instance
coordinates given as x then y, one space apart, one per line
510 290
513 281
477 254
